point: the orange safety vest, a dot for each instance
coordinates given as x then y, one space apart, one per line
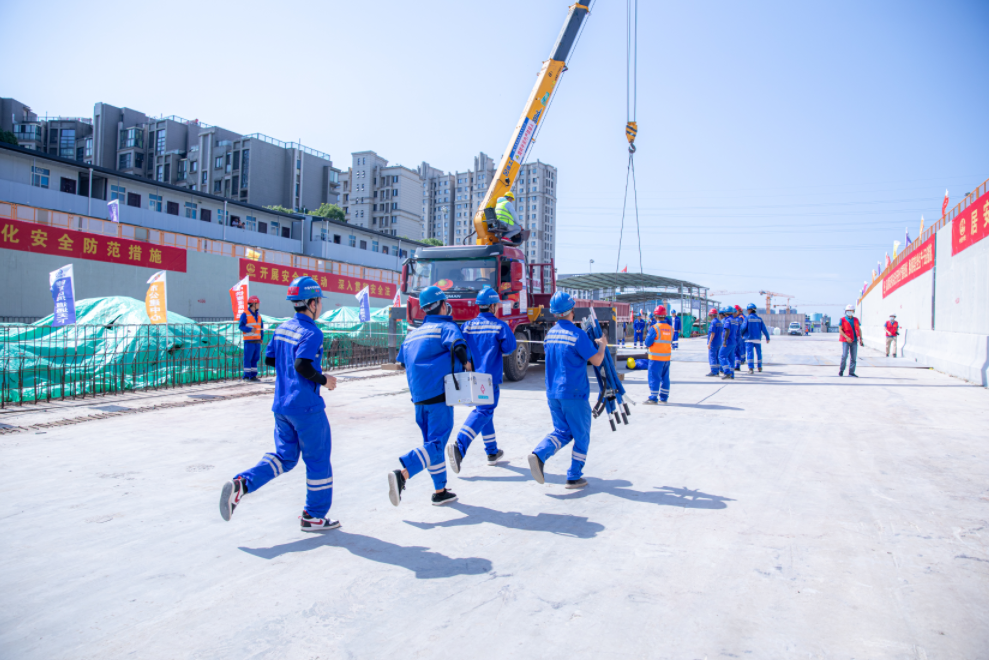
660 349
254 325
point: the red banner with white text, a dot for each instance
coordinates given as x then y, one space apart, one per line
266 273
971 225
914 265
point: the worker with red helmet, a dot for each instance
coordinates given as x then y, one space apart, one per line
715 330
659 345
253 328
740 322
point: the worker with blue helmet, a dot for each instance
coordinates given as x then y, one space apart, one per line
301 427
677 328
726 356
489 340
426 354
738 319
568 350
638 330
755 329
715 331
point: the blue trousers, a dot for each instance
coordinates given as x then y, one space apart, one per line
480 422
637 338
571 421
739 353
726 356
750 348
310 435
252 353
676 339
712 357
659 380
436 423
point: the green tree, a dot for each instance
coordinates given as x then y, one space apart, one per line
280 209
431 241
8 137
331 211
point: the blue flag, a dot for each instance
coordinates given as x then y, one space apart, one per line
364 300
63 295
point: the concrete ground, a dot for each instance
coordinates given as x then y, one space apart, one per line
785 514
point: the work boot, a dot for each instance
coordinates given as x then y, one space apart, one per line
445 496
536 467
651 402
456 458
725 376
760 369
663 401
576 483
396 484
737 368
752 371
493 458
840 374
311 524
231 495
852 375
713 374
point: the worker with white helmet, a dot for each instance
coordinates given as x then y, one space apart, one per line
850 334
892 332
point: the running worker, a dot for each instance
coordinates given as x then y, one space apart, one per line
753 333
296 353
489 339
715 331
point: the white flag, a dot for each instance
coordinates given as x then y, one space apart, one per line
113 210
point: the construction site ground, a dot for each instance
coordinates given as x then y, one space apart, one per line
785 514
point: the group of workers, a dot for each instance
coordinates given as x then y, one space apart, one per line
734 340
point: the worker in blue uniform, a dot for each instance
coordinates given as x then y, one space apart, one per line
568 349
621 340
639 328
252 325
715 331
488 339
726 356
755 329
677 329
659 340
427 354
739 320
296 352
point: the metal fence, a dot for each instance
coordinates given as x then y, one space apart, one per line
44 363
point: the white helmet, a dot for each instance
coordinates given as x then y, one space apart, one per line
849 308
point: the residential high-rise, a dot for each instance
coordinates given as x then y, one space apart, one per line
380 196
65 137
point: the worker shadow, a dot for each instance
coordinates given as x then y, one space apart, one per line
699 406
520 474
426 564
554 523
660 495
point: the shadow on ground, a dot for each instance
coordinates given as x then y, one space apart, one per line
554 523
424 563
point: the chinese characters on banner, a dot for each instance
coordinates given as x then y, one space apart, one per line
29 237
63 290
156 300
364 301
259 271
918 262
239 293
971 225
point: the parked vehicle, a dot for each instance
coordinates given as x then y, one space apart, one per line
795 329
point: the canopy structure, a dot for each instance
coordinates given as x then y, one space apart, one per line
642 291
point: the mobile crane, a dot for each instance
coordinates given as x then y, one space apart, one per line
463 270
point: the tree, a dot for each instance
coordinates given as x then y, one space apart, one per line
8 137
280 209
431 241
330 211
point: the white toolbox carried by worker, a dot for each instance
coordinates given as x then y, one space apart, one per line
468 388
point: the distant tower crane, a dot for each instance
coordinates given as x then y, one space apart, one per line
769 296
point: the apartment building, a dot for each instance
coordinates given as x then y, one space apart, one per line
66 137
380 196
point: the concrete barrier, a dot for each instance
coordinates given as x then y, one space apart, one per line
957 354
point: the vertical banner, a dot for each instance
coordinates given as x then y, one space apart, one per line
63 288
113 210
397 301
239 293
156 300
364 300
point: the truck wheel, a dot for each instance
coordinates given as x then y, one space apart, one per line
517 363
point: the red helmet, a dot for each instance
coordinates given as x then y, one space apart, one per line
713 312
253 299
737 307
660 311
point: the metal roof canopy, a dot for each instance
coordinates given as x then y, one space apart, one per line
651 296
594 281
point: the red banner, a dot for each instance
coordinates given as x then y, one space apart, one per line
43 239
918 262
971 225
266 273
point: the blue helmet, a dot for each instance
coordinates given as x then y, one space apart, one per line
751 306
561 302
487 296
430 295
728 310
304 288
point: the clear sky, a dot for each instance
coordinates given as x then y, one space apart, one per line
782 145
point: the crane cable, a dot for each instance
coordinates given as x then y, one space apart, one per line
631 127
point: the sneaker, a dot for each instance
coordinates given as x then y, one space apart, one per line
853 375
752 371
456 458
231 495
651 402
536 466
447 496
725 376
493 458
760 369
663 401
840 374
576 483
311 524
713 374
396 484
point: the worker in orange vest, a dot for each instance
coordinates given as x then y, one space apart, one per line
253 328
659 343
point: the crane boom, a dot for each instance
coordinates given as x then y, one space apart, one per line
533 113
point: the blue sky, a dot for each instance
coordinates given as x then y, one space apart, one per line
782 145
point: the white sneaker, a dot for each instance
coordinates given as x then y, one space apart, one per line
231 495
310 524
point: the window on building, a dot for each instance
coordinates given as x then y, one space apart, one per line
39 177
236 160
286 232
139 160
160 173
218 186
374 246
336 238
251 223
384 249
67 143
133 199
352 241
363 245
68 186
191 209
167 173
205 175
206 215
274 229
172 208
194 166
218 165
118 192
244 168
262 227
394 219
236 183
124 161
160 148
227 161
154 203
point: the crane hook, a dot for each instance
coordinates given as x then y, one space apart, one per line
631 130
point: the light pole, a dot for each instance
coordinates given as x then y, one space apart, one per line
591 266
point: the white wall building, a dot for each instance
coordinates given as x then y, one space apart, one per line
382 197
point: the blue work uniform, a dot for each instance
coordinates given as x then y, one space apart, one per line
426 354
659 364
755 329
624 333
300 416
638 328
715 331
677 328
739 342
568 348
726 356
488 339
252 326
